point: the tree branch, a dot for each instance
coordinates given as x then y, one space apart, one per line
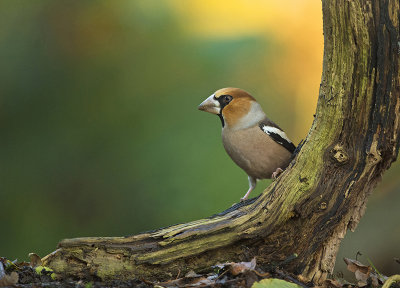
354 138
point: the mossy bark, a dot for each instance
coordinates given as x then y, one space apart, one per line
353 140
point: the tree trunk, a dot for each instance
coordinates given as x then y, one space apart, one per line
307 211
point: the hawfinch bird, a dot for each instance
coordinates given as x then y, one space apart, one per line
255 143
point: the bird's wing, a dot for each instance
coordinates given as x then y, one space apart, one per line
277 134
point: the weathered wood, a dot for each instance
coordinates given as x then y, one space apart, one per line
353 140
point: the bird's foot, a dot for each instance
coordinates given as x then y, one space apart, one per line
277 172
252 184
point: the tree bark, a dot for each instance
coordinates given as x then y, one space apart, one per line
354 138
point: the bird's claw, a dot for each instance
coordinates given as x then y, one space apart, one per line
277 172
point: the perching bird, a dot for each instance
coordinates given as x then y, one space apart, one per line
255 143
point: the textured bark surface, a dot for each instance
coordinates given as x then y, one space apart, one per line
307 211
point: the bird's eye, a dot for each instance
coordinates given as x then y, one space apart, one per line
227 99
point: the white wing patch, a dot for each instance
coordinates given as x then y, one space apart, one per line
278 136
270 129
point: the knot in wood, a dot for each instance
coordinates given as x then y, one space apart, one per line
374 156
338 153
323 205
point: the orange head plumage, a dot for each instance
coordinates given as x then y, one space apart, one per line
230 104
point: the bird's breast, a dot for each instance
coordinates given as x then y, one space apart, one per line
254 151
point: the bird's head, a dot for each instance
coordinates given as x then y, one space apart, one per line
230 104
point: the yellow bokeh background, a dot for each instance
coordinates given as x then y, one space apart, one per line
296 26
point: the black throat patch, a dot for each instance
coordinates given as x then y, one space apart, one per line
223 101
221 118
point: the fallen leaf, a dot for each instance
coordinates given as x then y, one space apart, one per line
354 265
241 267
35 260
274 283
332 283
237 268
9 280
375 280
392 279
362 278
363 273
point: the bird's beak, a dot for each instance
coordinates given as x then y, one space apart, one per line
210 105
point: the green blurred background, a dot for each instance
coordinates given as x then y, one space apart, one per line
99 128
